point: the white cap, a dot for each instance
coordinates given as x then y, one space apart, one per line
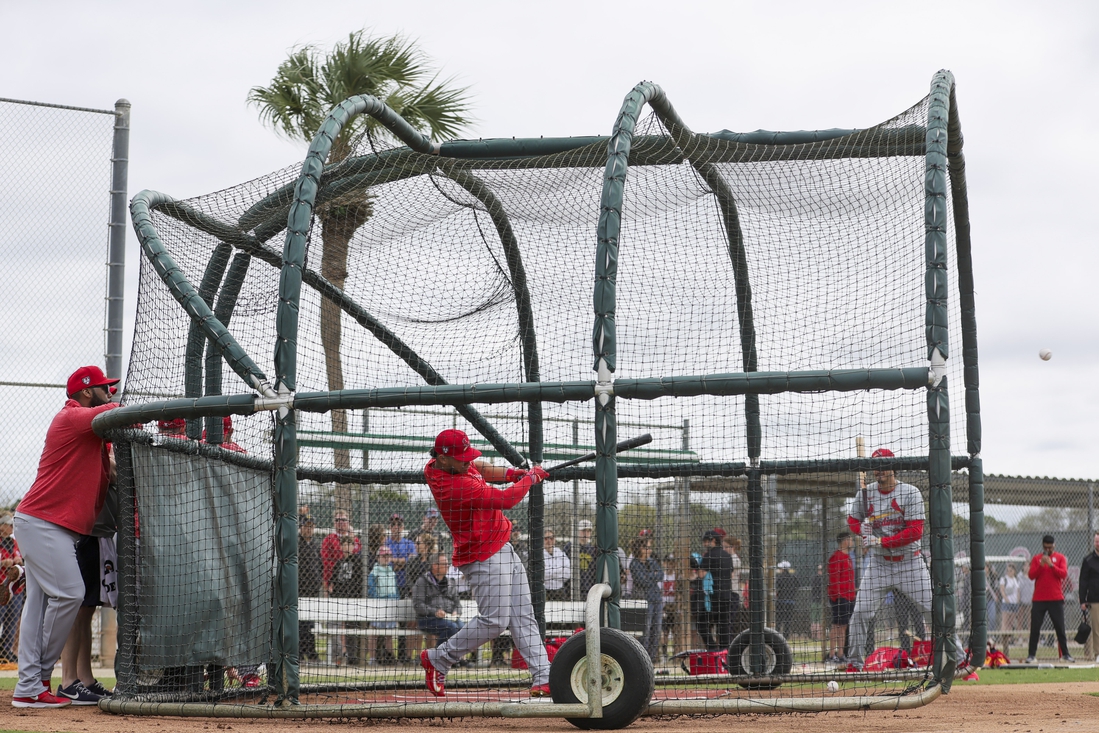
784 565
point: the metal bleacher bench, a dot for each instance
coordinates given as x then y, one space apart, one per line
330 614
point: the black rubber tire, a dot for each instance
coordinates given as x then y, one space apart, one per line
628 678
778 658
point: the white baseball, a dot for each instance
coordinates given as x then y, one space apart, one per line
1045 354
833 686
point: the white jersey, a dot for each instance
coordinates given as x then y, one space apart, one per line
887 514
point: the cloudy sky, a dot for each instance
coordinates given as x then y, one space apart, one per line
1027 91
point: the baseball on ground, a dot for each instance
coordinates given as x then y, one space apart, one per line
1045 354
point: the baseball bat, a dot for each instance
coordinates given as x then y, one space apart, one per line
624 445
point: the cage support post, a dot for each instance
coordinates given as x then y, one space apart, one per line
223 311
938 403
126 659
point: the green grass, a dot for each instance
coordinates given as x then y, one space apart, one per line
1032 676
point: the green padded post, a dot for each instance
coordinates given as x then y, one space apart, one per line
127 571
756 617
192 363
938 403
223 311
604 345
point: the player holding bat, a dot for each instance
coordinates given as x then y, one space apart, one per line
473 512
889 516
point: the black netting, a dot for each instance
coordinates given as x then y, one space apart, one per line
439 250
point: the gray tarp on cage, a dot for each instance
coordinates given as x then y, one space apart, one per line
206 560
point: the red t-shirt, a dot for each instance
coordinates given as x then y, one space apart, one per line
473 512
841 577
73 472
1048 578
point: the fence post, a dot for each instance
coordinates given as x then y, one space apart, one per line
116 261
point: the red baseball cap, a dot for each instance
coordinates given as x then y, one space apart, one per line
455 444
882 453
87 376
177 424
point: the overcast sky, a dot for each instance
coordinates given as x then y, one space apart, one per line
1027 92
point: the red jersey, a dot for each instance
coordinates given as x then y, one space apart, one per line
73 472
1048 578
473 512
841 577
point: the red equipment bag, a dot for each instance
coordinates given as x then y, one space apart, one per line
705 663
552 645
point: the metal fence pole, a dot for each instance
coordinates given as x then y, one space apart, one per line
116 262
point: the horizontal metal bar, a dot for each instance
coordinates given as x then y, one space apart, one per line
363 710
836 380
111 112
445 394
898 463
213 406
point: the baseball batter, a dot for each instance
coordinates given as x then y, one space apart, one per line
473 513
889 516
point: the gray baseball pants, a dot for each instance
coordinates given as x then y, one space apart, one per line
909 576
499 585
54 592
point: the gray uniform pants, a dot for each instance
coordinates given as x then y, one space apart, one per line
54 592
499 585
909 576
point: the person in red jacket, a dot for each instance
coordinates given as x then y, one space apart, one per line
1048 570
473 512
841 595
61 505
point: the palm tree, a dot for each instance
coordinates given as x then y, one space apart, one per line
310 83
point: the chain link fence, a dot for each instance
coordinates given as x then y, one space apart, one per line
56 184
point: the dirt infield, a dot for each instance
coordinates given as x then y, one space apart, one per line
1046 708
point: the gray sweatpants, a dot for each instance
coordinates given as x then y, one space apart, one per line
499 585
909 576
54 592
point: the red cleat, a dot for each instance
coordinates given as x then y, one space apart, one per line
436 681
540 691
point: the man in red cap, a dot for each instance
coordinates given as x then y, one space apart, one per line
889 515
60 506
473 511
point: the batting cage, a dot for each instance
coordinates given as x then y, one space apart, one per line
373 474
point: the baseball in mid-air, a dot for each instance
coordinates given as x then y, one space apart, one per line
833 686
1045 354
